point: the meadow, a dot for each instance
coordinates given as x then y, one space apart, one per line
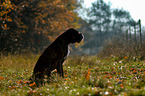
83 76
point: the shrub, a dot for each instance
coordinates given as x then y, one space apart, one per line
122 47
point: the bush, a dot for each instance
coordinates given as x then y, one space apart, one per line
122 47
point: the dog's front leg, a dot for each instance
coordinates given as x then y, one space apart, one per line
60 67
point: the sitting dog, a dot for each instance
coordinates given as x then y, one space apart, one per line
54 55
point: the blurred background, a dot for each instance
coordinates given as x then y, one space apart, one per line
29 26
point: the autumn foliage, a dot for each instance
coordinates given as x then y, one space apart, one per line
32 24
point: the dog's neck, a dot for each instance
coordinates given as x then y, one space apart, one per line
63 41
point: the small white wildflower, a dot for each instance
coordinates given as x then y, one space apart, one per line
106 93
120 61
65 87
110 87
78 93
74 90
114 63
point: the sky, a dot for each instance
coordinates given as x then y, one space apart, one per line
136 8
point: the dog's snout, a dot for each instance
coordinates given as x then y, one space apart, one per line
82 36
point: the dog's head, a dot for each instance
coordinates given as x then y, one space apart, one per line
73 35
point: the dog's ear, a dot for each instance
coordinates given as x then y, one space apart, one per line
71 36
71 31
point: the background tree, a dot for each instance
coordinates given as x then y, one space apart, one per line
121 21
106 23
32 24
99 19
100 16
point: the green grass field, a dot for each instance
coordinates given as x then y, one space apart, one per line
83 76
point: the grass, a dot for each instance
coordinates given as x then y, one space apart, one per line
83 76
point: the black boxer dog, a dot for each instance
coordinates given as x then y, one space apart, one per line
54 55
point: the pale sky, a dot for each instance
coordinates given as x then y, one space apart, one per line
135 7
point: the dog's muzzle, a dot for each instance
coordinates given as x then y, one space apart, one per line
80 37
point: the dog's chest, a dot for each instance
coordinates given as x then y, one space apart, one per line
68 51
62 52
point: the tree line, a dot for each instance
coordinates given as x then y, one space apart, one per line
30 25
105 23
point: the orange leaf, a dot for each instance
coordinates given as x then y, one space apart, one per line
25 82
1 78
66 79
65 75
112 68
121 85
134 71
117 79
125 57
5 25
12 87
33 84
88 74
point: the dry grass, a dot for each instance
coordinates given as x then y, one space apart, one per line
83 76
120 47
